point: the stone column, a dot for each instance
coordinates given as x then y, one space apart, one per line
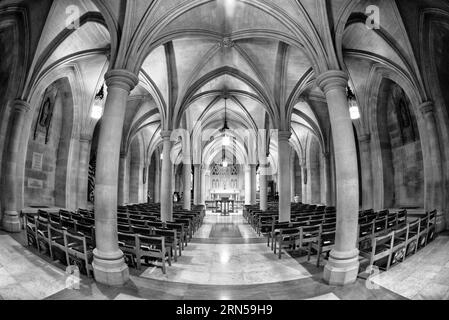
253 183
247 185
144 185
328 178
134 180
263 184
173 180
11 219
187 173
367 175
196 184
121 179
108 263
292 177
433 197
166 179
207 186
203 186
285 188
342 267
304 178
83 171
157 181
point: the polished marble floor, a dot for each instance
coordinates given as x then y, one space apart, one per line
25 276
424 276
244 261
225 260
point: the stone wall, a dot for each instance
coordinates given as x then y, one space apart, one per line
42 176
403 149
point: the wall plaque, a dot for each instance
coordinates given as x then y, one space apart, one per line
37 161
35 184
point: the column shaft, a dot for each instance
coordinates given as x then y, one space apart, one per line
11 220
247 185
196 184
157 181
253 182
109 264
285 189
292 177
342 267
304 198
328 178
166 179
203 187
123 192
263 186
187 173
83 172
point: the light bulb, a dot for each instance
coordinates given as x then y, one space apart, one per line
225 164
162 156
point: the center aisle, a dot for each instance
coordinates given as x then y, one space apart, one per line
226 251
227 260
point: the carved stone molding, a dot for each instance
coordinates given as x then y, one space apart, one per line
226 43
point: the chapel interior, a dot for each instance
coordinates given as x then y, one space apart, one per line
224 149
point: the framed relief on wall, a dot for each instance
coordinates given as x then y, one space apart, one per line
42 126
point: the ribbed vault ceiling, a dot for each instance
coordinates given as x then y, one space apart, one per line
190 55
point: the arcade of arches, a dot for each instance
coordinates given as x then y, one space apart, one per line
183 106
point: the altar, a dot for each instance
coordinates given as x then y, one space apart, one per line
231 194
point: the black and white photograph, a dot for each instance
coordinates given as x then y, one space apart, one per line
224 158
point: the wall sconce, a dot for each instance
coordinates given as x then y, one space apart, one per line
354 111
97 108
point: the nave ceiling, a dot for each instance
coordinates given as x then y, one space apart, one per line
262 57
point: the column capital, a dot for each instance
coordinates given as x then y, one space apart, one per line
326 154
122 154
21 106
197 165
121 78
332 79
284 135
166 134
426 108
365 138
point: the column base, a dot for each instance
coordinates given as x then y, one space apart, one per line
342 268
11 222
110 270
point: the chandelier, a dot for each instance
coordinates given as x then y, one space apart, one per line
226 138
